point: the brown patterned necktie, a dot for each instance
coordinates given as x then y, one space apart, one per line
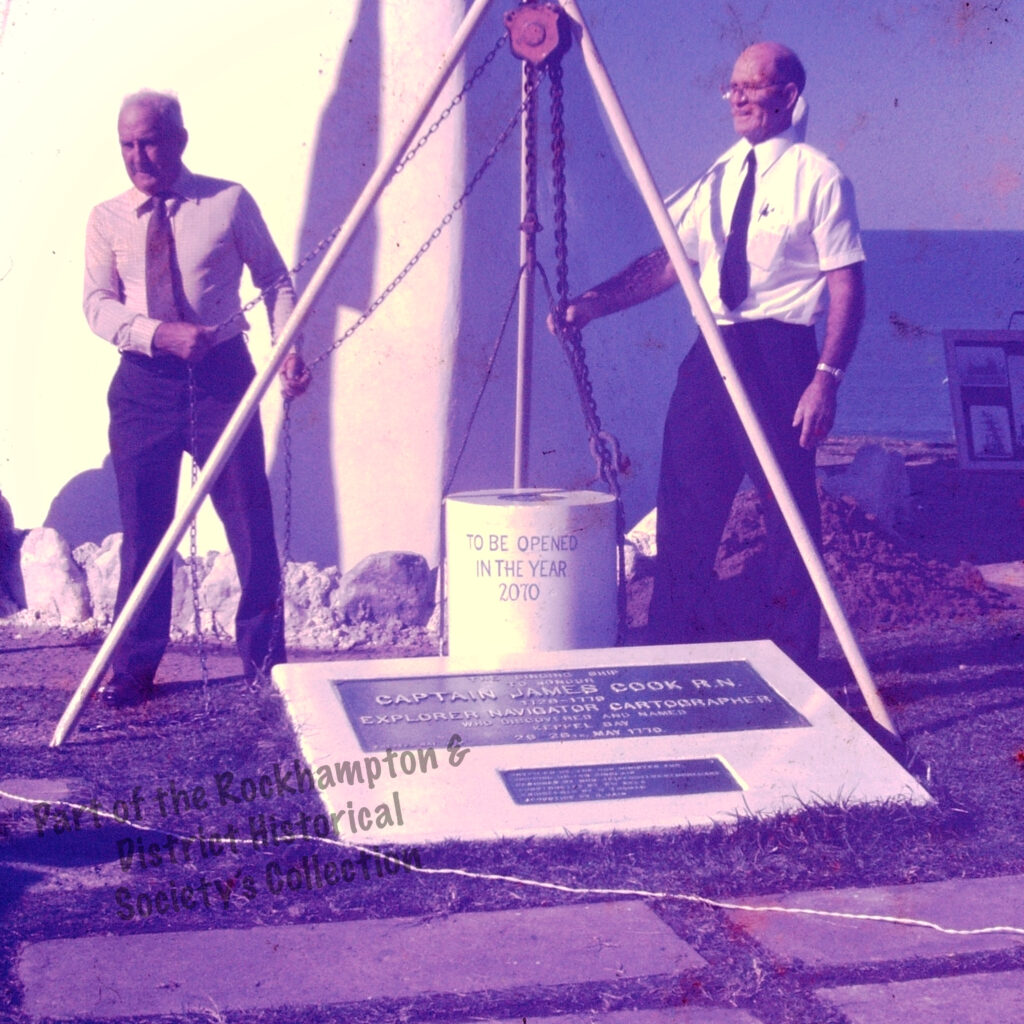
161 293
735 277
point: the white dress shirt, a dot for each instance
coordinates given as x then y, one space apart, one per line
217 229
803 223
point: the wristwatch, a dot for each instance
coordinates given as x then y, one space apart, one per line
832 371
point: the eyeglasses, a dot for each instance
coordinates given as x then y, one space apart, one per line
745 89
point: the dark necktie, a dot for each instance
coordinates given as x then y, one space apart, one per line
161 293
735 276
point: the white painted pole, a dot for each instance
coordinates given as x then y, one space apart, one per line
705 320
524 350
249 404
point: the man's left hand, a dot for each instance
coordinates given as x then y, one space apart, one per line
295 376
816 410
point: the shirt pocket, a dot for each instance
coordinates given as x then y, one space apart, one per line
764 244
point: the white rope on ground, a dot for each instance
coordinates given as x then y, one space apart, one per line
557 886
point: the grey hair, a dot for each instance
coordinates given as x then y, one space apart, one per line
165 105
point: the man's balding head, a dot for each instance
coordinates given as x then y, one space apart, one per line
767 80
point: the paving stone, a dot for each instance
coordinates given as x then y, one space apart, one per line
965 999
964 903
675 1015
309 965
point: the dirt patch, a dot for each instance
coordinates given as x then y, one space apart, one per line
921 572
881 580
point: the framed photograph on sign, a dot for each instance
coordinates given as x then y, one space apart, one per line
986 387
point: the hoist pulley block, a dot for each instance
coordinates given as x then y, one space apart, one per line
538 29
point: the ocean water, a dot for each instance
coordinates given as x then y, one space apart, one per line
920 283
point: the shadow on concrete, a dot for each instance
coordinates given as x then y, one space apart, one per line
346 154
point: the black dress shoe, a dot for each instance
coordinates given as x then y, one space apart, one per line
125 691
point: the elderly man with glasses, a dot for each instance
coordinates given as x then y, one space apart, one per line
772 232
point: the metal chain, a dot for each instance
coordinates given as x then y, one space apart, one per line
488 372
431 239
456 100
289 275
193 545
531 223
530 227
603 445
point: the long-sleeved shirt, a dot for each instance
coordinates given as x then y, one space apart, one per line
217 229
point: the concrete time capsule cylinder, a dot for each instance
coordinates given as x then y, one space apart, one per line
530 570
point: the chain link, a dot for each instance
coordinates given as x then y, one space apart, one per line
456 100
602 444
531 223
431 239
288 276
604 447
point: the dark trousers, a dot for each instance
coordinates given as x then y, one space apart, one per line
150 429
705 455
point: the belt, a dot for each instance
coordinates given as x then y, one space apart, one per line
173 367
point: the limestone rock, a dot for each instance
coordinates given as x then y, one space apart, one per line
101 564
219 595
638 565
323 610
6 518
183 615
310 620
643 535
388 585
55 586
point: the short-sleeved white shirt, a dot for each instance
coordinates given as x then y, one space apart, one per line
803 223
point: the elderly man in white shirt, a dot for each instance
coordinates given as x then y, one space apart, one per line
772 231
164 262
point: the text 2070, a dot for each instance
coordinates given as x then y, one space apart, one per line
519 592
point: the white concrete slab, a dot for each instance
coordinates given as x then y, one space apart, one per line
544 743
